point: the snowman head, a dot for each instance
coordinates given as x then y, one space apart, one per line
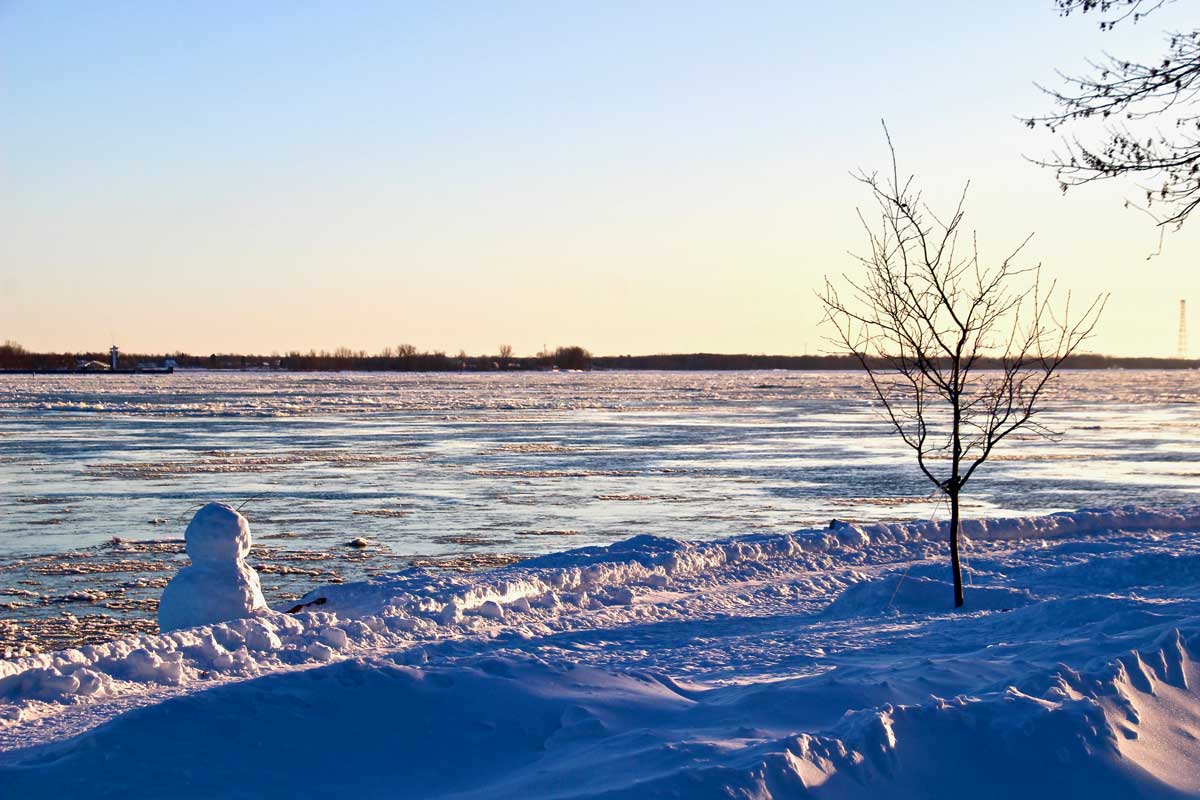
217 535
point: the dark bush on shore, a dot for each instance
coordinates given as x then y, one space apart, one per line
573 357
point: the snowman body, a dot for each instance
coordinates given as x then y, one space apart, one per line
218 585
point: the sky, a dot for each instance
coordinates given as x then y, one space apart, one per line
630 177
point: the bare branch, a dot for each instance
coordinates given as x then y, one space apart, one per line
1150 111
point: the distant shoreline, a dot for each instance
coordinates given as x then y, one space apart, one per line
575 359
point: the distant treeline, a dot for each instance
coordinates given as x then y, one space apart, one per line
407 358
720 361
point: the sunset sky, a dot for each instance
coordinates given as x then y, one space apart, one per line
631 177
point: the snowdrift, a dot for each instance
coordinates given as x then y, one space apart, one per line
818 663
525 728
905 594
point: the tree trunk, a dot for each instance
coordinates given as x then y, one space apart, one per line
954 565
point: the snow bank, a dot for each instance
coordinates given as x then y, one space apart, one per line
821 663
1054 526
599 575
901 594
530 729
588 586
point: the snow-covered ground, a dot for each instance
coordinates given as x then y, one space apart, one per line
822 663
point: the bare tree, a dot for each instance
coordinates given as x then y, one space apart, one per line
506 354
1150 114
959 353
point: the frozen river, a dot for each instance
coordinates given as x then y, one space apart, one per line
99 474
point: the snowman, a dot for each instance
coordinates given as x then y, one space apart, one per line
218 585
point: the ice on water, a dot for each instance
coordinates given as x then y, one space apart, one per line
477 469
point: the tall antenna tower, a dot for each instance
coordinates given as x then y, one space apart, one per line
1183 343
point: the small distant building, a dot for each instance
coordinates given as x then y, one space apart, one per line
112 358
152 366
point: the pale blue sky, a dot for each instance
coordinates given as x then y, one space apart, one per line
631 177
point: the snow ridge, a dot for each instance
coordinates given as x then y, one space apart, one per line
405 609
829 662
